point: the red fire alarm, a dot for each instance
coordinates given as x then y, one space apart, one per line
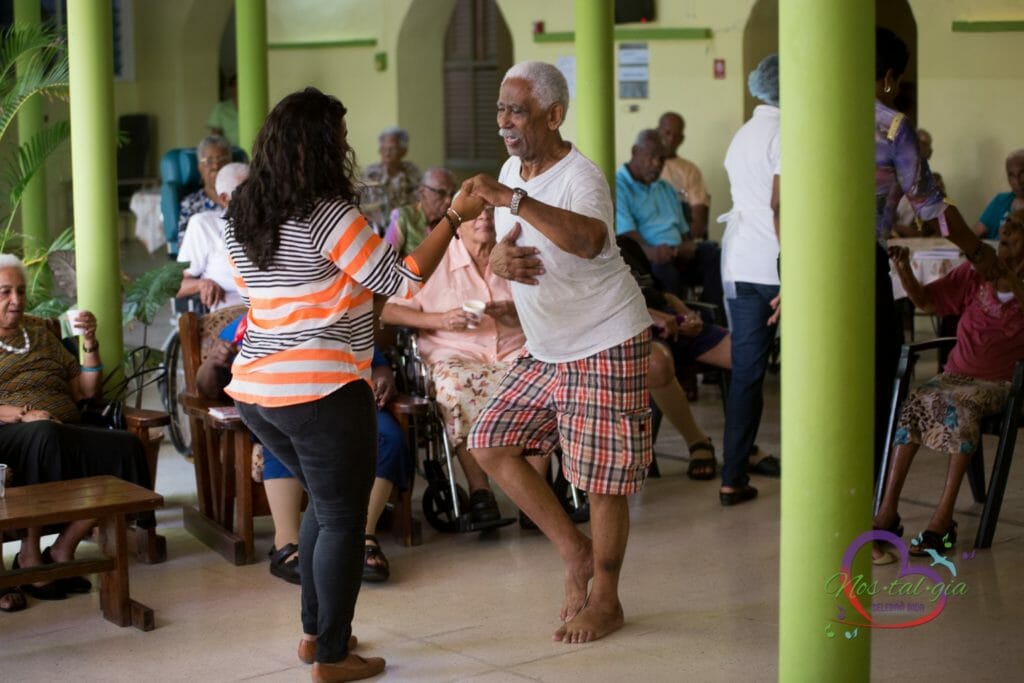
538 28
719 69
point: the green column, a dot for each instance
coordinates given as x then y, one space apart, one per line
30 121
251 46
94 170
827 205
595 82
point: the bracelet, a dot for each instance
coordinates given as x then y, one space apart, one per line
453 222
92 368
91 349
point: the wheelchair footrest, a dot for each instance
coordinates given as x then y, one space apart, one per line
467 525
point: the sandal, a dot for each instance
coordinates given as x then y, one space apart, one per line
768 466
933 540
12 600
48 591
704 468
284 568
887 554
379 571
72 584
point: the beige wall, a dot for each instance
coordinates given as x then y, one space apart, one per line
970 93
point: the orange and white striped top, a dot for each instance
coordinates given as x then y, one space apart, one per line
310 320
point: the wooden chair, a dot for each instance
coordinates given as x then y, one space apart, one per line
150 547
228 498
1003 425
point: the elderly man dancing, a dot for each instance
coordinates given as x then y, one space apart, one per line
581 381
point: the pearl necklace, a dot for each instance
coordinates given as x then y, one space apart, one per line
11 349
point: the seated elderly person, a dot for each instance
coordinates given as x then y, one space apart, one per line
467 356
41 384
212 154
284 493
410 225
683 338
1004 203
203 248
391 183
647 210
945 412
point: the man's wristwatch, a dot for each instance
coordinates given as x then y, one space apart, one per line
517 196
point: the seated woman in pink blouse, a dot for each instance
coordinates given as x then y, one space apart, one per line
467 358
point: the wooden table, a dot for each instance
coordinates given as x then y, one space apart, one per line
107 499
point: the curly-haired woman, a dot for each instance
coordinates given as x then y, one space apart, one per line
309 264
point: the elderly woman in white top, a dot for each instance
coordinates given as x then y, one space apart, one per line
209 273
750 250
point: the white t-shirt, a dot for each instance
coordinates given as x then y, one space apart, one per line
750 248
581 306
203 248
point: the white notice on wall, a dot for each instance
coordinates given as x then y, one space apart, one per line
567 65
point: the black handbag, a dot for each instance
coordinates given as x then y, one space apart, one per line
103 413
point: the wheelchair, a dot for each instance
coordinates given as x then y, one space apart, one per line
445 501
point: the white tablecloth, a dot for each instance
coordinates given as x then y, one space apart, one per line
930 258
149 223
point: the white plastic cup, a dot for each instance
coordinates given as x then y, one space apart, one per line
72 315
475 308
3 480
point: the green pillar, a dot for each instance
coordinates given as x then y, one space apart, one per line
30 121
94 171
595 82
251 42
827 205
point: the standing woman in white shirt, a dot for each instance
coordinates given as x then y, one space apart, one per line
750 250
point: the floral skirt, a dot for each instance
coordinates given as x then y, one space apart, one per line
463 387
945 412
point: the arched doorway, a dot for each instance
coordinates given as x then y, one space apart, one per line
447 89
761 37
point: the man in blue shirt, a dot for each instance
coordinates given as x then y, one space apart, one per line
649 210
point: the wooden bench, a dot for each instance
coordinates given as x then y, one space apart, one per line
106 499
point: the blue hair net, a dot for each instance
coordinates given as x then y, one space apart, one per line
763 81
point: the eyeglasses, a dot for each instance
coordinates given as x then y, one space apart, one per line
439 191
215 161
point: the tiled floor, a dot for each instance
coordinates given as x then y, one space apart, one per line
700 591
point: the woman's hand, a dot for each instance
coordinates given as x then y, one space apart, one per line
210 293
690 324
487 190
455 320
900 256
383 385
87 324
665 324
222 353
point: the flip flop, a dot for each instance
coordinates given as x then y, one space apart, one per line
12 600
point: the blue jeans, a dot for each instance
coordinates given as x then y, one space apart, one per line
749 311
330 445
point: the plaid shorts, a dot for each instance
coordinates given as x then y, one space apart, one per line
597 408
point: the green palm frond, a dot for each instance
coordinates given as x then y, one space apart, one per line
33 61
32 156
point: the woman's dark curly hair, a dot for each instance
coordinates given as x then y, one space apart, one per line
300 157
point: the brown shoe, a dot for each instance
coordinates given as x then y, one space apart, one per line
352 668
307 649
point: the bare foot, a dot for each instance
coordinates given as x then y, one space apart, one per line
594 621
579 570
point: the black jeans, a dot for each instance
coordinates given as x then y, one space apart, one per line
330 445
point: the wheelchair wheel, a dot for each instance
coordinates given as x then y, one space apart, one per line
174 382
438 508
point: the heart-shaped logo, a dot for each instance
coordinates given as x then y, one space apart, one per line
849 587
